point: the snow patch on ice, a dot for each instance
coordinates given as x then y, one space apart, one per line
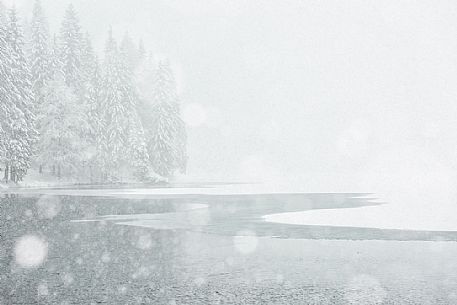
387 216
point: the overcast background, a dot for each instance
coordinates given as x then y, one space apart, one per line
326 91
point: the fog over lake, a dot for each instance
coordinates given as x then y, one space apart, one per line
228 152
299 87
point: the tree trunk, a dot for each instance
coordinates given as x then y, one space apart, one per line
59 173
7 169
13 174
40 170
53 170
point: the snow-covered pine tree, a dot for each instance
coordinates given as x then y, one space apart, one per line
141 52
89 69
3 15
129 52
88 59
74 55
144 76
39 55
70 49
165 130
39 51
116 109
55 65
22 132
138 156
96 122
60 120
125 144
7 107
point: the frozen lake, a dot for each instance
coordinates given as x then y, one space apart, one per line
131 247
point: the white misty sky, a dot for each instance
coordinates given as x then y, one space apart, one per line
297 87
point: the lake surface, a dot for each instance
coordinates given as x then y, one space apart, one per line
211 249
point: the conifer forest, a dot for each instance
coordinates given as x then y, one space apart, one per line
68 110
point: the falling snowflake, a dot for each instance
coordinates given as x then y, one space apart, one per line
30 251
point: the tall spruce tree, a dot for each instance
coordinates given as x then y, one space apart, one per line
70 50
60 122
3 15
96 123
88 69
88 59
75 57
141 52
22 132
116 105
125 144
138 159
129 52
138 151
164 127
7 91
55 65
39 51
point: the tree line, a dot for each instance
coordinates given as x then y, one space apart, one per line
69 113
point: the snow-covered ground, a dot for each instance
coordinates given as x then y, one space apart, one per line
35 179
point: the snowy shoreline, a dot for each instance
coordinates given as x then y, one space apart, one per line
175 188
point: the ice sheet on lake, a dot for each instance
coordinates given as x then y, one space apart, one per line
387 216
